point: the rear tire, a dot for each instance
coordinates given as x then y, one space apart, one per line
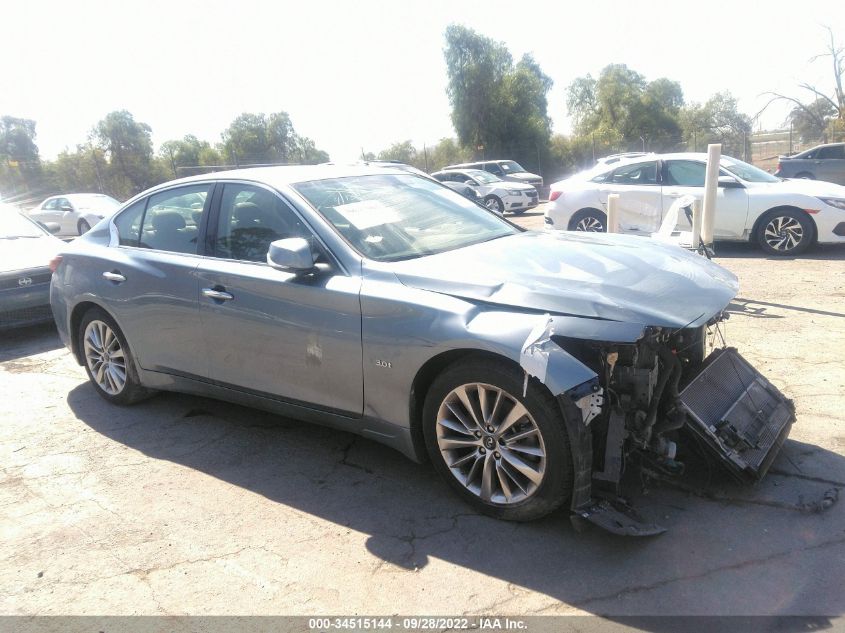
506 455
108 361
589 221
785 232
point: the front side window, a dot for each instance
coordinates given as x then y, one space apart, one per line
493 168
686 173
637 174
395 217
512 167
250 219
832 152
51 205
173 217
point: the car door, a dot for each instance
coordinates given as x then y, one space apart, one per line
273 333
47 212
640 199
830 164
68 216
150 283
686 177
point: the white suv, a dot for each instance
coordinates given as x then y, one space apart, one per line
496 194
784 216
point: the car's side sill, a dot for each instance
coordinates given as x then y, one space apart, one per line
392 435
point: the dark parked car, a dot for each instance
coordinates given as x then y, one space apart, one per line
529 367
26 249
823 162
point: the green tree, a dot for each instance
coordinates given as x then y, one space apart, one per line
717 121
128 148
624 111
188 155
498 107
258 138
404 152
20 164
447 152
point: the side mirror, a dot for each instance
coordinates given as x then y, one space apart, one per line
53 227
729 182
291 255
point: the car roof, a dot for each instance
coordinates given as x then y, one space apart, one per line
283 176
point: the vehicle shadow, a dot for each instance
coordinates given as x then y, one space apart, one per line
28 341
746 250
729 549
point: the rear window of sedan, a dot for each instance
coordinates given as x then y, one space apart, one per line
396 217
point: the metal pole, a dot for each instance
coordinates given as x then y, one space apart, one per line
425 156
593 136
790 139
613 213
711 182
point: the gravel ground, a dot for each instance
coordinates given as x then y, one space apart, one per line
183 505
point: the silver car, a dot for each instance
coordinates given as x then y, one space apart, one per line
529 367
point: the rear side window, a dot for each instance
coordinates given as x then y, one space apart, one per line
173 217
638 174
128 223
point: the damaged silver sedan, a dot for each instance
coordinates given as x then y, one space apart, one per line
532 369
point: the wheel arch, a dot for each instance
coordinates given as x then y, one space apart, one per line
424 378
783 207
573 220
76 316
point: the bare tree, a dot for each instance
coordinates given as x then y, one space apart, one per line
830 117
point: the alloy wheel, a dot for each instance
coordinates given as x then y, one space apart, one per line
491 443
783 233
590 225
105 358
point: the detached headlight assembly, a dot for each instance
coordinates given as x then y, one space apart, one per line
839 203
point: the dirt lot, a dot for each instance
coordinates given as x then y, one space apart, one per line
182 505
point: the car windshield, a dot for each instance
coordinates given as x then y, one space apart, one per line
96 202
746 172
395 217
13 225
511 167
484 177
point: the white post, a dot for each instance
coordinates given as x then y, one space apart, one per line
696 224
711 182
613 213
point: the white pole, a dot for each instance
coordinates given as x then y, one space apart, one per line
613 213
696 224
711 182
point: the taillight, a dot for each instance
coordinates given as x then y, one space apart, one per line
778 167
555 195
54 263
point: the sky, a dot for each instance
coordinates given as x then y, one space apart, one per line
360 74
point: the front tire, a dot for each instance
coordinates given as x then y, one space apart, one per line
506 455
494 204
785 232
108 360
589 221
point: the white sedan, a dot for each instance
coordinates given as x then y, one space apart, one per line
497 195
75 213
783 216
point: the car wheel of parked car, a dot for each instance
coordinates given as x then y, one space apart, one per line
806 175
108 361
506 455
589 220
494 204
83 227
785 232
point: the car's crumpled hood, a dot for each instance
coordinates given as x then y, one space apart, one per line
28 252
599 276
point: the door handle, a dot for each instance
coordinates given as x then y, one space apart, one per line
115 277
217 295
674 194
